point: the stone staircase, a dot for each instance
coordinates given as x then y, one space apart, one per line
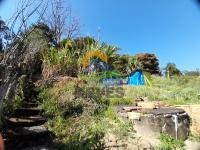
26 128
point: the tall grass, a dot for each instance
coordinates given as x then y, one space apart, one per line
178 90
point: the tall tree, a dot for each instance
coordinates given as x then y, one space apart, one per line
59 18
149 62
171 70
110 51
126 64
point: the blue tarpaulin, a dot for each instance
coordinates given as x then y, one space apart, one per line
137 78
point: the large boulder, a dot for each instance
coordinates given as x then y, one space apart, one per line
171 121
151 123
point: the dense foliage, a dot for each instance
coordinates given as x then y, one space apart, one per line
78 114
172 70
149 63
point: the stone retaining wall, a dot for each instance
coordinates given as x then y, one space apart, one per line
194 113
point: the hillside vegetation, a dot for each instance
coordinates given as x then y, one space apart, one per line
81 116
78 115
79 111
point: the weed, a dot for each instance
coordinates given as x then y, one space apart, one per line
121 101
170 143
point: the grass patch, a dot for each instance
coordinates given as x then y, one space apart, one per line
169 143
117 127
178 90
121 101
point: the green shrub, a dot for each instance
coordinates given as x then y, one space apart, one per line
170 143
79 115
72 109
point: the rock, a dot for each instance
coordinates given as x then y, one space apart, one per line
191 145
26 121
193 112
146 105
134 115
149 105
131 108
152 122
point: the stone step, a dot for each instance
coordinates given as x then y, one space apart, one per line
30 104
33 111
31 101
42 140
26 121
28 133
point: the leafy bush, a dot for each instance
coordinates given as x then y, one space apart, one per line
72 108
79 115
59 61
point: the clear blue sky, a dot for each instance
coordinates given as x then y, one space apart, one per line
168 28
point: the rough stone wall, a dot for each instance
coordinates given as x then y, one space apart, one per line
194 114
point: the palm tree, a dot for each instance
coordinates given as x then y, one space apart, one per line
110 52
133 63
126 63
121 64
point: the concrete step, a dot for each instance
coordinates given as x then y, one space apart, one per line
31 100
31 140
28 133
32 111
25 121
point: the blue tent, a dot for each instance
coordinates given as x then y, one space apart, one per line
136 78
